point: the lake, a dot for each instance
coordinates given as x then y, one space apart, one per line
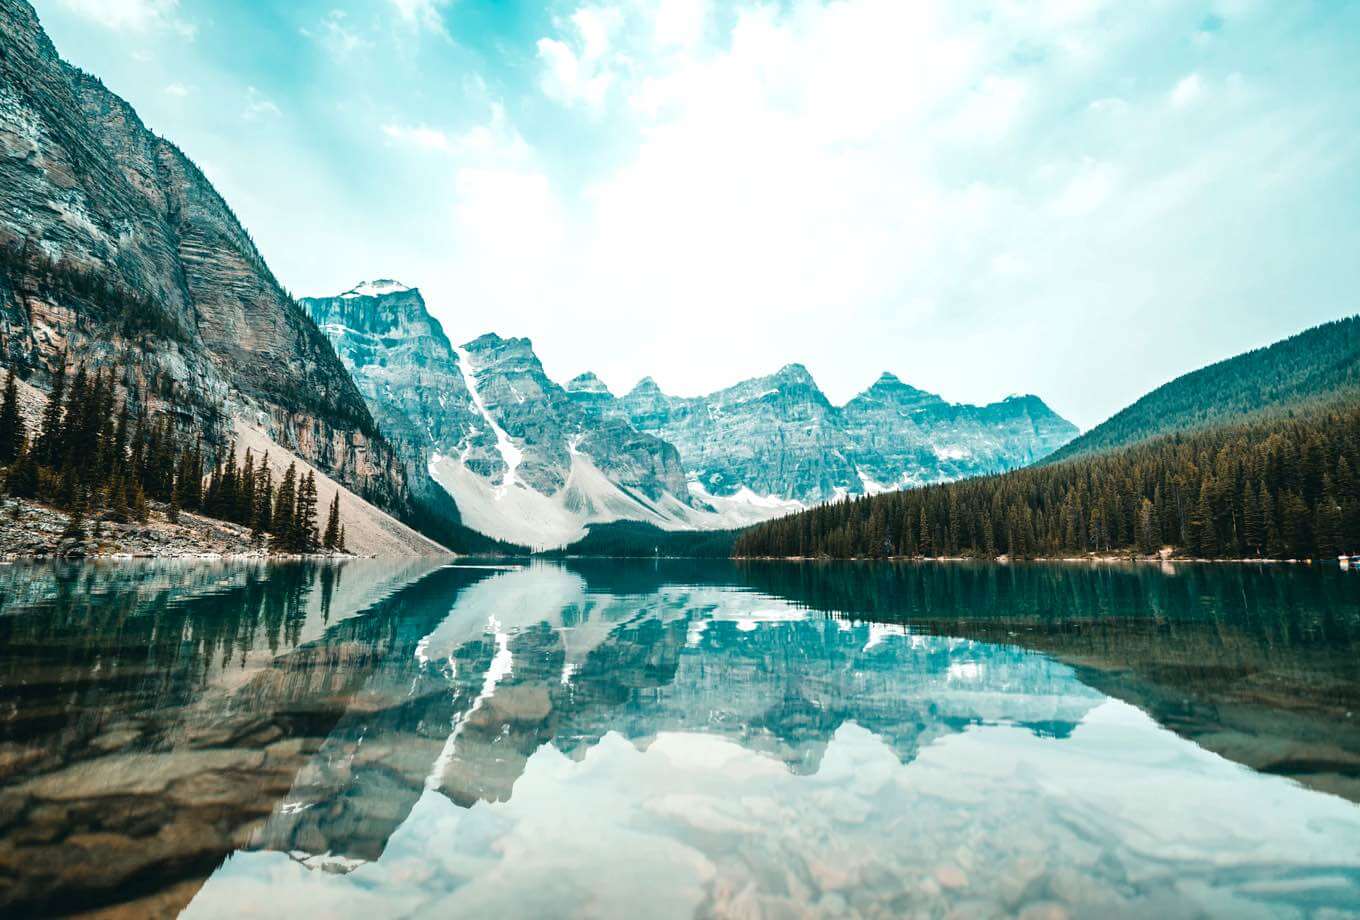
675 739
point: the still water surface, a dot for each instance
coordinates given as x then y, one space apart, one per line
679 739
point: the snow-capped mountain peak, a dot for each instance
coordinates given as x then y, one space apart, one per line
380 288
531 461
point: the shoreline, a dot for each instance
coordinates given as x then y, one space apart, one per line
1002 560
31 531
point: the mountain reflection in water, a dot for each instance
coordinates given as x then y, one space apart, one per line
705 738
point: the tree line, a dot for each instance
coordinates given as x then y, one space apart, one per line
93 453
1284 487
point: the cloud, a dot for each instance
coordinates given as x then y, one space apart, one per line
423 14
681 23
580 68
258 106
133 15
178 90
494 140
336 35
421 137
1187 91
1086 190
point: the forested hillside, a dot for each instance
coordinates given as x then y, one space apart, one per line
1280 487
1316 364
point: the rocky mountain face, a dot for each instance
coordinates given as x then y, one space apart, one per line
524 459
779 439
532 462
900 436
770 436
406 370
118 252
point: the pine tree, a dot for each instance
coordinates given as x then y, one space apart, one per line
330 540
226 492
1252 525
244 512
72 438
1149 528
49 444
23 478
1328 523
12 432
284 505
173 514
264 497
302 534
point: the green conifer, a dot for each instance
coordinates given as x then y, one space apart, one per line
12 431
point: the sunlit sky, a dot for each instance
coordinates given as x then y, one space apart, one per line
1076 198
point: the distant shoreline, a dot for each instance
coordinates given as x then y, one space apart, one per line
1002 560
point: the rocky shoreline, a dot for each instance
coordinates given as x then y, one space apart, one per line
1006 560
29 530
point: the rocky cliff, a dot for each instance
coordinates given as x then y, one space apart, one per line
117 251
525 460
778 439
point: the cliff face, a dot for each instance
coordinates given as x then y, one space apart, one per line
900 436
779 437
776 436
524 459
404 367
118 251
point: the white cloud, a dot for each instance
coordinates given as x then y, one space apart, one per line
258 106
421 137
337 35
1187 91
681 23
1087 189
581 68
132 15
494 140
423 14
178 90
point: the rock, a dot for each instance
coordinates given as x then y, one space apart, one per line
951 877
780 436
135 774
1044 910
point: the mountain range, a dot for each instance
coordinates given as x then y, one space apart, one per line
533 462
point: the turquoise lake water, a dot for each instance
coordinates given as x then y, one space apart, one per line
678 739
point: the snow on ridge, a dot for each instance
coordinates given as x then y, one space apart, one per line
869 484
511 455
377 288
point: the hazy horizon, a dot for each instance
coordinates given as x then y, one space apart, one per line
1071 198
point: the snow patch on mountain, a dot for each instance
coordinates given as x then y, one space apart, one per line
742 508
511 455
522 515
379 288
870 486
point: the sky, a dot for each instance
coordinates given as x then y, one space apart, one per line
1080 199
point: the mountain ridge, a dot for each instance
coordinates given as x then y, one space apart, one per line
1314 363
119 253
540 463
